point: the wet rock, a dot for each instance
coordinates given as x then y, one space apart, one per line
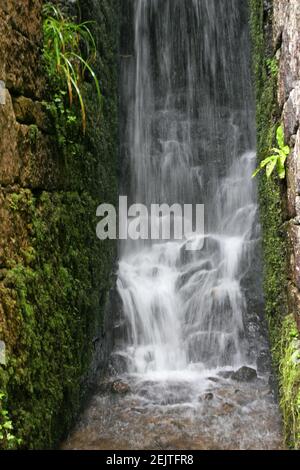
243 398
172 399
210 245
214 379
118 364
119 387
208 396
138 410
273 384
186 256
30 112
244 374
224 409
263 362
226 374
227 408
199 269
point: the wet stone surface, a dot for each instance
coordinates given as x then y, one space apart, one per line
195 413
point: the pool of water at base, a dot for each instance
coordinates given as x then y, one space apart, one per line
188 410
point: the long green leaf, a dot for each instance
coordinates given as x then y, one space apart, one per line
71 73
270 167
281 167
286 150
82 106
64 41
87 66
280 136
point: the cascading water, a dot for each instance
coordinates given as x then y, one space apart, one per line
189 139
188 320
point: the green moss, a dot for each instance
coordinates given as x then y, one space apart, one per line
287 354
53 291
7 437
273 67
56 304
33 134
283 332
270 191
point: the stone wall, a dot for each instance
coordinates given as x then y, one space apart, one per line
286 34
276 62
286 40
54 273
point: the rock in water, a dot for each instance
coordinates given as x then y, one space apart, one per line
119 387
244 374
209 396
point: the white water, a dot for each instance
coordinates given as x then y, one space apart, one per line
187 126
186 307
189 138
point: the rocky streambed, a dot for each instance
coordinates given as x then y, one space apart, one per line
223 410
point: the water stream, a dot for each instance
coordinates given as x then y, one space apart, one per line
189 319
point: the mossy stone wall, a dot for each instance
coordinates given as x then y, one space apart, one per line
54 273
274 65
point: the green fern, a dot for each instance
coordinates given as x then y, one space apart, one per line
64 41
278 159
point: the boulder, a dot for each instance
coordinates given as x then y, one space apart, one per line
244 374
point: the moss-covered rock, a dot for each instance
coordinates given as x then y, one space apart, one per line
54 273
287 354
278 234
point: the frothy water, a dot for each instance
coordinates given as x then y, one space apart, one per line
187 307
194 412
188 320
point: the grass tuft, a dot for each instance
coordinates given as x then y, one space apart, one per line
64 43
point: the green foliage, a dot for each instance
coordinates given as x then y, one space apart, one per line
57 275
270 190
278 159
53 300
33 134
283 331
272 65
288 356
65 119
64 41
7 438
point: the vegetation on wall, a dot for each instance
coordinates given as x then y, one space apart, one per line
270 190
55 313
278 159
287 353
66 63
56 279
271 196
7 438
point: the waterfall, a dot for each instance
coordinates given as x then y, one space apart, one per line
188 324
188 138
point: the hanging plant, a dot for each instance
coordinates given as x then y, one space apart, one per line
64 41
